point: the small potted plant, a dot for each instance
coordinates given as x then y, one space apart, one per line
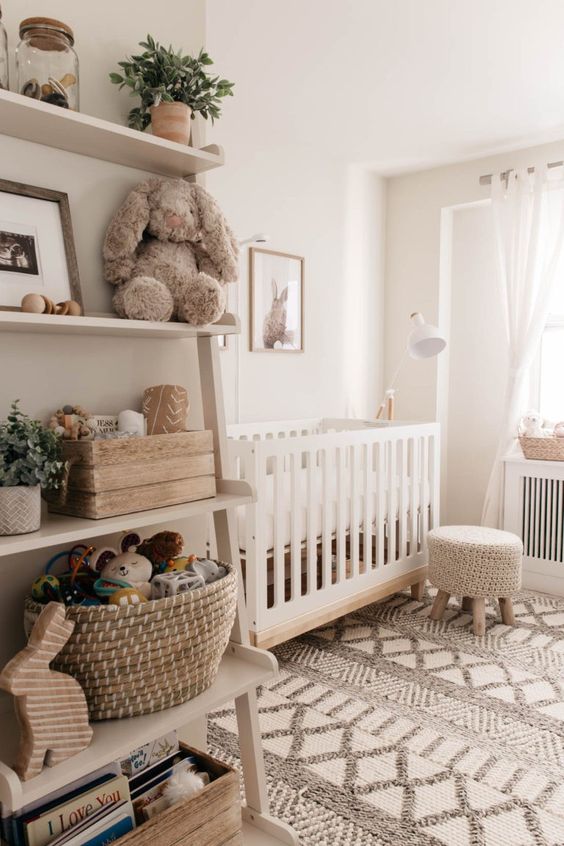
30 459
173 88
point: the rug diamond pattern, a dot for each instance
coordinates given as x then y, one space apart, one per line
388 728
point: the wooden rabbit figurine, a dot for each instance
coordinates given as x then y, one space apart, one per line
50 706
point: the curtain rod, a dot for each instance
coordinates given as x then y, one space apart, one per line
487 178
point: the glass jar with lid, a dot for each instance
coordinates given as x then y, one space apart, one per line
46 63
3 55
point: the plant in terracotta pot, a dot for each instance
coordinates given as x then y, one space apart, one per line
173 88
30 459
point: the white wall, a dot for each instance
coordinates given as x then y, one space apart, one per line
422 217
313 203
477 361
103 374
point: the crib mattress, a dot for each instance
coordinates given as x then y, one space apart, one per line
316 512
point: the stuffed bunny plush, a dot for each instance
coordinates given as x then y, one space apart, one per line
170 251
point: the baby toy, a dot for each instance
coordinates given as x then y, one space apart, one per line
127 569
71 423
74 586
43 696
170 252
40 304
208 570
161 549
178 581
530 425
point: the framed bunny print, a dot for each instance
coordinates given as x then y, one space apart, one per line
276 282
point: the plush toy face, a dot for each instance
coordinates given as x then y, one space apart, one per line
129 567
173 213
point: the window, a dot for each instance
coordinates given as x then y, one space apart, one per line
551 361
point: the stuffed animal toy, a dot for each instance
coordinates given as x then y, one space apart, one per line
170 252
128 569
531 425
161 548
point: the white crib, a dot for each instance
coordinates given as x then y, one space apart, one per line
342 513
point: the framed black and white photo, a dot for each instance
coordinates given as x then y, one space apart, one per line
277 301
37 253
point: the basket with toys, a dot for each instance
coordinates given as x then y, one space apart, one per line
151 625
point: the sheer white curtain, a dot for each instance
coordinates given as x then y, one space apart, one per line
528 215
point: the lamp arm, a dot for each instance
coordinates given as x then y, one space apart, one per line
390 390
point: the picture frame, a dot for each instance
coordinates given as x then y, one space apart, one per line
37 251
276 296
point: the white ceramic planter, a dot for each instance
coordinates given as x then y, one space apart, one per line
20 510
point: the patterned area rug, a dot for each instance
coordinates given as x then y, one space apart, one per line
387 728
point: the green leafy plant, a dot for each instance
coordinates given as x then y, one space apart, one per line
162 75
30 454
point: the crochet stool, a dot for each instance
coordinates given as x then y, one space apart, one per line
474 562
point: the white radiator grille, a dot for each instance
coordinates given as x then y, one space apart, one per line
541 522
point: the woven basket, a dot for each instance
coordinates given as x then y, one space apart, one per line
543 449
137 659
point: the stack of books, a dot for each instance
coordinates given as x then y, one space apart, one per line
103 806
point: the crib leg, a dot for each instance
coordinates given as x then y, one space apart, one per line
417 590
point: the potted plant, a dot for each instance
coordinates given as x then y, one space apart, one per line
29 460
173 88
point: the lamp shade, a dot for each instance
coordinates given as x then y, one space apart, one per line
425 340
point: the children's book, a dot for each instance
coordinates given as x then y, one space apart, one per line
115 824
88 823
49 823
12 827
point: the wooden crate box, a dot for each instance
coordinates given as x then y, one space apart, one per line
210 818
123 475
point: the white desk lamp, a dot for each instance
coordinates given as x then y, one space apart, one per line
424 341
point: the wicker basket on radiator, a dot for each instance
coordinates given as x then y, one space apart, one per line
137 659
543 449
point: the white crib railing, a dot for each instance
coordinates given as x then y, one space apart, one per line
343 509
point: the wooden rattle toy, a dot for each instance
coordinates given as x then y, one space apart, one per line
40 304
70 422
50 706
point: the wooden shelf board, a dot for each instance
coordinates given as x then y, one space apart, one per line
61 529
32 120
17 321
242 669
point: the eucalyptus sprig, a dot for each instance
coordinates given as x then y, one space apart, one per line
30 454
163 75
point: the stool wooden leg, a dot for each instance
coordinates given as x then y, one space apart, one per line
439 605
417 590
479 609
467 604
506 608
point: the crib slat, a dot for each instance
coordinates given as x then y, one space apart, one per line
368 493
354 516
424 492
341 514
403 498
380 522
414 495
279 519
392 500
326 546
312 527
296 495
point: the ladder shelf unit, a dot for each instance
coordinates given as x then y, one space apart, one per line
243 667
